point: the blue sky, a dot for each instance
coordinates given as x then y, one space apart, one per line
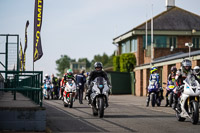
78 28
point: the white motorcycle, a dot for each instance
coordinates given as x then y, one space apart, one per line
188 103
99 96
47 91
69 94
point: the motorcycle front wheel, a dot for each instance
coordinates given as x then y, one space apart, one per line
194 112
70 100
101 107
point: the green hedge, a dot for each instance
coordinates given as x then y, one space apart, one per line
124 62
116 63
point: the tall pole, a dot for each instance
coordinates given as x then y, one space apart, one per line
152 36
146 32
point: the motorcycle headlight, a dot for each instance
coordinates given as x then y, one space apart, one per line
100 86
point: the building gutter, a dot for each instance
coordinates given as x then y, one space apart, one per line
156 32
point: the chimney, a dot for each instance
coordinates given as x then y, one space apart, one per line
170 4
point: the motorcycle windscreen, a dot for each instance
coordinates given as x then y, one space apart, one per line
100 81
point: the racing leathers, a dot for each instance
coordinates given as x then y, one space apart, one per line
170 81
154 77
180 77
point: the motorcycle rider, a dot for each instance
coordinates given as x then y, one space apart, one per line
81 79
171 78
98 72
153 77
181 75
196 72
47 79
68 76
55 84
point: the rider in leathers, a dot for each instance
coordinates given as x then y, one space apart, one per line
171 78
153 77
181 75
98 72
196 72
69 76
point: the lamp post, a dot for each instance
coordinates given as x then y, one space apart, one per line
189 45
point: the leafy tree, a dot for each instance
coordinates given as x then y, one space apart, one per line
127 62
62 64
104 59
116 63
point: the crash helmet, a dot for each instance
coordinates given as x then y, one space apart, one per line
186 65
196 70
69 73
153 69
98 65
173 69
46 76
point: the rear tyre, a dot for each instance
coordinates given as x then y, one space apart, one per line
195 112
101 107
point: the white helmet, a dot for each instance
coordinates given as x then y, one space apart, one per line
196 70
46 75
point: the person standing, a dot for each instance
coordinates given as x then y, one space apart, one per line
80 79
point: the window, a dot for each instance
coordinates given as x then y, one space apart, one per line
160 41
123 48
75 66
134 45
196 42
128 46
171 41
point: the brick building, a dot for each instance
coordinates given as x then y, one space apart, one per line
171 30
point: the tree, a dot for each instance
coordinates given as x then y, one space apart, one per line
127 62
62 64
116 63
104 59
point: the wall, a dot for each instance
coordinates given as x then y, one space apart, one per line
23 119
142 77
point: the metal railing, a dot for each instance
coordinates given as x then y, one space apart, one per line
28 83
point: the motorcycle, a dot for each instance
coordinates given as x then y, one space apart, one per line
155 93
47 91
188 102
99 96
69 93
170 87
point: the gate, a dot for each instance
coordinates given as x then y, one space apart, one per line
122 82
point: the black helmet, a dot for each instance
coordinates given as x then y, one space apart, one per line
98 65
173 69
186 65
